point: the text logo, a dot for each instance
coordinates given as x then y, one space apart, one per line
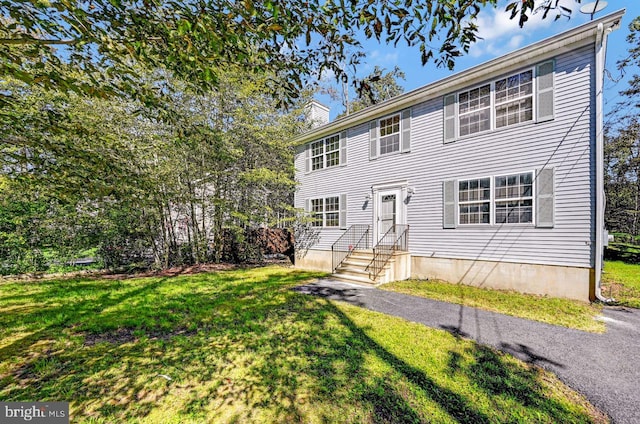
34 412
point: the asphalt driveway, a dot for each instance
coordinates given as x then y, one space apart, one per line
603 367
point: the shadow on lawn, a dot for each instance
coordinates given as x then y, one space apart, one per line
234 346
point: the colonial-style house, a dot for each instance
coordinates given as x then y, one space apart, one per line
491 177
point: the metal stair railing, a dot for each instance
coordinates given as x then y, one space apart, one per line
395 239
356 237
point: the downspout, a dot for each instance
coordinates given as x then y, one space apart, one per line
600 56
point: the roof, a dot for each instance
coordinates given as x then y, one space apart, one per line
541 50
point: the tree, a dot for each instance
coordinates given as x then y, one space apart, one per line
378 87
81 172
288 40
622 158
622 147
632 60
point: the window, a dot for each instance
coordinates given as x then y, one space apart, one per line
512 201
474 201
317 209
325 212
332 150
317 155
514 198
474 110
514 99
332 210
503 199
500 103
325 153
390 134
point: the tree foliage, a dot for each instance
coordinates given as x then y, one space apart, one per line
622 156
622 147
289 40
378 87
374 88
84 172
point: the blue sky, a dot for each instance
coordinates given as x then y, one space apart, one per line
500 36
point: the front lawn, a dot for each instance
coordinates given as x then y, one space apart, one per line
240 346
564 312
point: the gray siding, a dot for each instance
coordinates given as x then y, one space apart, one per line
565 143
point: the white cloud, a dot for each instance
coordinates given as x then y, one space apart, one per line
383 58
516 42
328 75
501 34
391 58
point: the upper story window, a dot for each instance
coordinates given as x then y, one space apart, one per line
474 110
327 152
390 134
332 150
514 99
317 155
520 97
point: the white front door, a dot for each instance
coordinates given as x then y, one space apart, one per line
388 211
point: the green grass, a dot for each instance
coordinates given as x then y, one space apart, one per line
240 346
564 312
622 282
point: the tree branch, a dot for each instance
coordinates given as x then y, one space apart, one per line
16 41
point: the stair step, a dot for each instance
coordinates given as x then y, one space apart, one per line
360 255
359 266
361 261
356 262
351 270
354 279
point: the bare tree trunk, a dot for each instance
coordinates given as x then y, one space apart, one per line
195 228
634 229
169 225
152 239
217 221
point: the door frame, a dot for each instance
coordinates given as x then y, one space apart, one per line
399 188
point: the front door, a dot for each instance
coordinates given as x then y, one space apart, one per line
387 211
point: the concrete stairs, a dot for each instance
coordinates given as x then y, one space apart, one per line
354 268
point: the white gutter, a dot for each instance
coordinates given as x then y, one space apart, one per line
600 52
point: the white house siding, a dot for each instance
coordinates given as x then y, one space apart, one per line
565 143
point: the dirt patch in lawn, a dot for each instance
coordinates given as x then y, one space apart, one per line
128 335
172 272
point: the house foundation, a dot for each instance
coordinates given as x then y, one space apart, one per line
549 280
